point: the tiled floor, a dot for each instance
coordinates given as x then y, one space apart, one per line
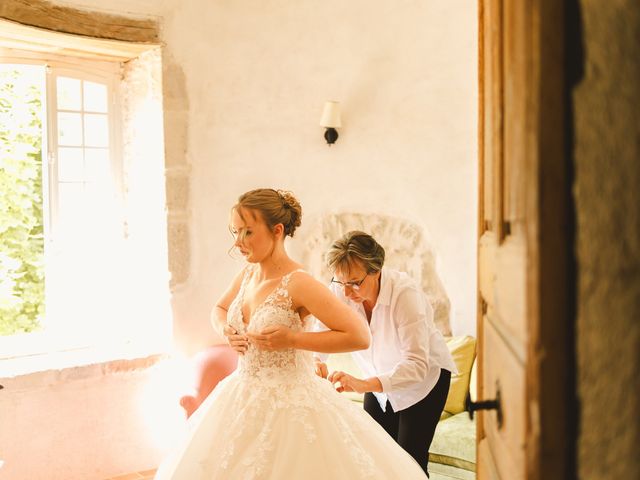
146 475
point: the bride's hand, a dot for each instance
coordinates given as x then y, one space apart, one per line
277 337
239 343
348 383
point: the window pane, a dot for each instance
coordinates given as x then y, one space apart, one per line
70 165
95 97
96 202
68 93
70 209
97 164
69 129
22 204
96 130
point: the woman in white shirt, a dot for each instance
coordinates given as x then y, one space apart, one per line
407 365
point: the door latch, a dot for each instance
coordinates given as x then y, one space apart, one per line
485 405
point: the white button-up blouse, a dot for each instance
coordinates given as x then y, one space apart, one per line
407 351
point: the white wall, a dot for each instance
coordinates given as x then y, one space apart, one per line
257 74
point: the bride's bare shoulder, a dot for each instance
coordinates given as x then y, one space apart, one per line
303 283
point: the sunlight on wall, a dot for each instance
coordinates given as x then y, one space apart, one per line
158 403
147 273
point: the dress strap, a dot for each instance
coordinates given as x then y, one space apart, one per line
295 271
248 272
285 279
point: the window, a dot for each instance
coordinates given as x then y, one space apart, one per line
88 267
81 152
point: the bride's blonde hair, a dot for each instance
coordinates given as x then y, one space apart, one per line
275 206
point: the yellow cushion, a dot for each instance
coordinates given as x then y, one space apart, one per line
463 351
473 381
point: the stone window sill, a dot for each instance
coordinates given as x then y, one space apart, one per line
47 369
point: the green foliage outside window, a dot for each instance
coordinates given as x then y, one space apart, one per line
21 208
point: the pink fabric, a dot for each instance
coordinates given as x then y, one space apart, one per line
211 365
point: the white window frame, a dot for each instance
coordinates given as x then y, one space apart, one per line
109 73
80 72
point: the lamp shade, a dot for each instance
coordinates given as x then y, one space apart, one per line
331 115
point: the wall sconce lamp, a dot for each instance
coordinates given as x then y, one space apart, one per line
331 120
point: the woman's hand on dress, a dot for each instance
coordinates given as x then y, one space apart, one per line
321 368
348 383
239 343
277 337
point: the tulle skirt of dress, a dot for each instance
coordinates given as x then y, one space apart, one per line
249 429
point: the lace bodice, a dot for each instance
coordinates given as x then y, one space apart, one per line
276 309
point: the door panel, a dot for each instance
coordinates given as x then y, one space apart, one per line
487 468
505 293
486 265
509 294
504 374
503 251
492 115
515 101
521 160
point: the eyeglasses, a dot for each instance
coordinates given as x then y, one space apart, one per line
351 285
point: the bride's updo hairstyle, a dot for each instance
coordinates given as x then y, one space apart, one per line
275 206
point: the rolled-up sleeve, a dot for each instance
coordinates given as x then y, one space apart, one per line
410 317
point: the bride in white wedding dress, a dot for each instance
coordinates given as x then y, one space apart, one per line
274 418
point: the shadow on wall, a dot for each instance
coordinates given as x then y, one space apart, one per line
406 245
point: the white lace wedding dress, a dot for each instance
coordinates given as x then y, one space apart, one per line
273 418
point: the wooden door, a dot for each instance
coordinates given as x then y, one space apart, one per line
522 312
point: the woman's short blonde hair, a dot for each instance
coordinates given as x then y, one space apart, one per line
355 247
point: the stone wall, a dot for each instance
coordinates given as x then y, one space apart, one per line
606 190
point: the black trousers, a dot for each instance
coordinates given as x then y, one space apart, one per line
413 428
